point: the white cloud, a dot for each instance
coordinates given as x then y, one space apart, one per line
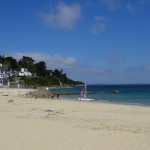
52 61
116 59
145 67
98 25
99 18
131 6
97 28
64 16
111 4
92 74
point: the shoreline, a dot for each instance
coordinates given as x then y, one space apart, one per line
30 90
106 102
134 95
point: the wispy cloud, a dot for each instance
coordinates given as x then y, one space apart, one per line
64 16
115 75
116 59
52 61
97 28
99 18
111 4
131 7
136 6
98 25
83 72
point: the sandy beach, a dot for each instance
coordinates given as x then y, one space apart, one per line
45 124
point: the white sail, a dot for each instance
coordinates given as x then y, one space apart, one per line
84 93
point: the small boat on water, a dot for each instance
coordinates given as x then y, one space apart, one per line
83 94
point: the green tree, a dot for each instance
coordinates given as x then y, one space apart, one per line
12 63
2 58
25 61
31 67
57 73
7 63
41 69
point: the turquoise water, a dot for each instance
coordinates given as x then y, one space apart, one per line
128 94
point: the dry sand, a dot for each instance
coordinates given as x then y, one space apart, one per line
42 124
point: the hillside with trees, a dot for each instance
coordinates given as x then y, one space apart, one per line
41 76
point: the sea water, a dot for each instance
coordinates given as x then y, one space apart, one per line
138 94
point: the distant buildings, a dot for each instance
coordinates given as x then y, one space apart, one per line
25 72
5 73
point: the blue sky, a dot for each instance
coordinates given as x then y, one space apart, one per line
95 41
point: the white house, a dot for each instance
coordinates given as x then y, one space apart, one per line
3 74
25 72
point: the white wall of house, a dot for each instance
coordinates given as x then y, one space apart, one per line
4 71
3 74
25 72
3 77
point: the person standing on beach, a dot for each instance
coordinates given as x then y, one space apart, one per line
57 96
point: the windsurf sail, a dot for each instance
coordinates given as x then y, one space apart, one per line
84 91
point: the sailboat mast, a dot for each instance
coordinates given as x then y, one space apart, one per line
85 90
